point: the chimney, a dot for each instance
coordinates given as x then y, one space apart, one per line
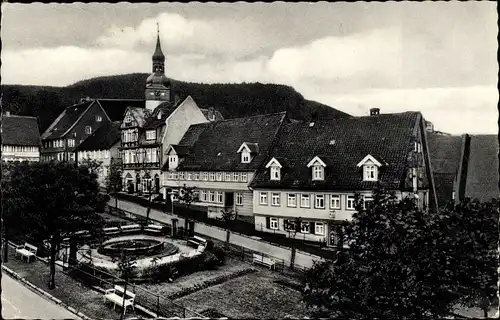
429 126
374 111
211 114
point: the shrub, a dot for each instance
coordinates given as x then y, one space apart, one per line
210 245
220 253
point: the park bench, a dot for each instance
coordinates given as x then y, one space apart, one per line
131 227
265 261
118 295
154 228
196 242
27 250
111 230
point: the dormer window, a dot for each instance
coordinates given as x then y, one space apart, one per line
318 168
370 168
98 118
245 157
248 150
150 135
275 169
88 129
128 118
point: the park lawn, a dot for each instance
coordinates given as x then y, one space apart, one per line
165 289
253 296
68 290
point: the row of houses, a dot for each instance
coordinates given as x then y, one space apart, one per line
269 169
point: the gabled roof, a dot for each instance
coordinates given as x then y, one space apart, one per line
389 136
103 138
180 150
20 131
482 168
314 160
218 115
214 144
165 109
140 115
66 120
444 152
115 108
273 163
250 147
376 160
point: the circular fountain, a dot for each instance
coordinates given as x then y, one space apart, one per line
137 247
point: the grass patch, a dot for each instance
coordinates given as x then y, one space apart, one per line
68 290
253 296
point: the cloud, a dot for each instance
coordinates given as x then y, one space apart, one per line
453 110
375 54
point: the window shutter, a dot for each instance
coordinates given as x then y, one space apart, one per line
268 222
312 227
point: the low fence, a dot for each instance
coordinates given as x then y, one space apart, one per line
200 214
161 306
241 246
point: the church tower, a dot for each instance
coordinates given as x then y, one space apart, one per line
158 88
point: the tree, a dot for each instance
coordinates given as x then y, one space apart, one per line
57 199
188 195
114 182
475 224
126 266
292 227
403 263
228 216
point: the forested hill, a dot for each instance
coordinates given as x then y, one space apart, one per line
232 100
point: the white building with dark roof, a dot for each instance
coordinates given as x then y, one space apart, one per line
20 138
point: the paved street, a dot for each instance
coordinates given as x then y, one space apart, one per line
19 302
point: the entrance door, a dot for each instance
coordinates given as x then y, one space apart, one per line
229 201
157 184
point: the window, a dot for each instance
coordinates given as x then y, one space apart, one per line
212 176
243 177
106 154
205 176
219 176
273 223
370 173
189 176
288 224
367 201
211 196
418 147
334 201
318 173
88 129
127 158
150 135
304 228
305 201
453 195
203 195
319 228
98 118
263 198
239 199
176 176
228 176
275 173
181 175
220 196
170 175
350 202
71 143
197 176
275 199
128 118
235 176
319 201
292 200
245 157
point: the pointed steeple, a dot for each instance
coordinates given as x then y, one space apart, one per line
158 54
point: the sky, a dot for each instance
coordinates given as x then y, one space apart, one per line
439 58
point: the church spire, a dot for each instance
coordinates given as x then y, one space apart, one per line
158 54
